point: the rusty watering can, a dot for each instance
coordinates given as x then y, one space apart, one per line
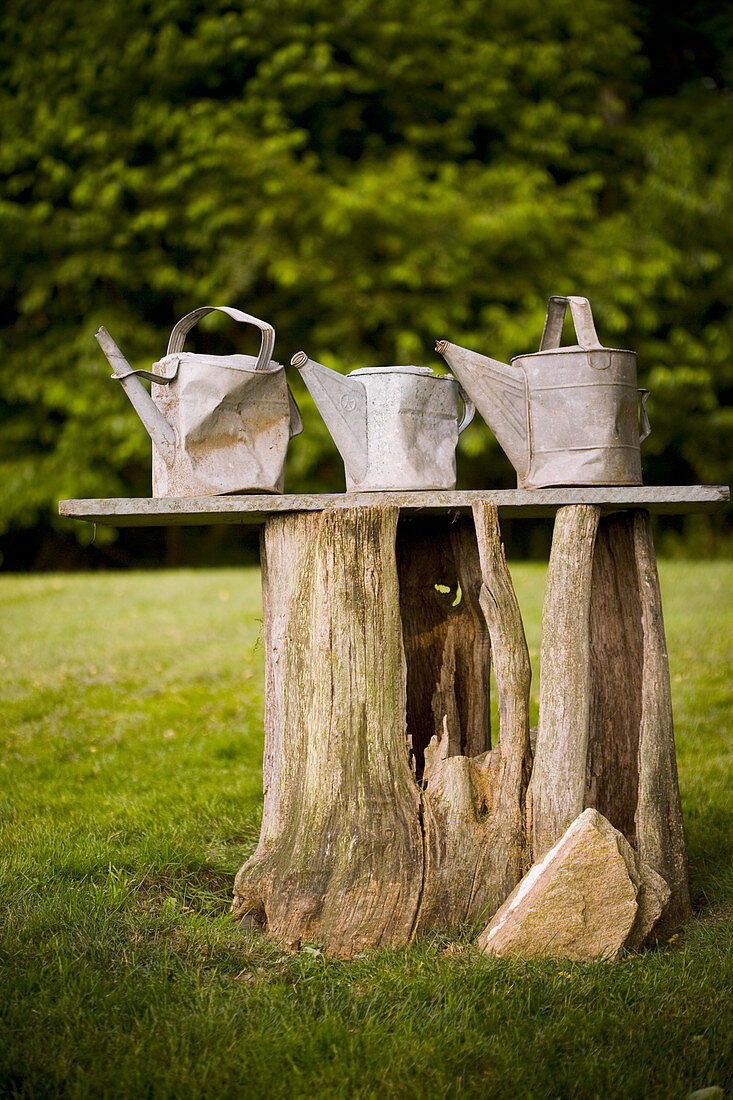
563 415
395 427
219 423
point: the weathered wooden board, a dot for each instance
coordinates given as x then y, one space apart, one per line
527 503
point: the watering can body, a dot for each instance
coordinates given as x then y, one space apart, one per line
563 415
395 427
219 423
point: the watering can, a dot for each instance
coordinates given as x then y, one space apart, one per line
219 423
563 415
395 427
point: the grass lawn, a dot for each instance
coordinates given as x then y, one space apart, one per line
130 793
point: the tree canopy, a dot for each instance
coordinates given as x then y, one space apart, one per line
367 177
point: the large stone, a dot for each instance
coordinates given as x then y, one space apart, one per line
589 897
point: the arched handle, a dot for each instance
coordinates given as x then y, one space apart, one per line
468 410
582 316
187 323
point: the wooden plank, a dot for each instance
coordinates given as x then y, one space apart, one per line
524 503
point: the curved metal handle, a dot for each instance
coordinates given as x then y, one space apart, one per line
468 410
585 328
178 335
149 376
645 425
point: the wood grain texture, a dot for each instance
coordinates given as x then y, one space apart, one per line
559 770
527 503
474 805
616 674
357 849
340 858
606 732
513 674
659 826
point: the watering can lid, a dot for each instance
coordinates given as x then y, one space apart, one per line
569 348
423 371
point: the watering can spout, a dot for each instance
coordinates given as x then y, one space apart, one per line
499 391
341 401
156 425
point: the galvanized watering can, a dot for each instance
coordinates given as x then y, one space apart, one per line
219 423
395 427
563 415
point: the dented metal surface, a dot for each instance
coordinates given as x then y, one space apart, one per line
219 423
563 415
395 427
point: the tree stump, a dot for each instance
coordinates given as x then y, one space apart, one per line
386 811
605 737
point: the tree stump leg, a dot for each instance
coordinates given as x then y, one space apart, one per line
605 736
659 825
558 772
340 857
374 633
474 805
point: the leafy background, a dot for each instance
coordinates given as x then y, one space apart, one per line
366 176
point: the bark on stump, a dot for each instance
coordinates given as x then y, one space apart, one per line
387 810
376 674
605 738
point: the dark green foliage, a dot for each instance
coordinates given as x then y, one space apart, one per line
368 177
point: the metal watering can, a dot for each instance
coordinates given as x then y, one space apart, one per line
563 415
219 423
395 427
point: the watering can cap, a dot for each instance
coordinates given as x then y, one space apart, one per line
425 371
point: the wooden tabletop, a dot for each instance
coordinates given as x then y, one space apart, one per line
524 503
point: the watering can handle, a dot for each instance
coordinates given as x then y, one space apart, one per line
468 410
187 323
585 329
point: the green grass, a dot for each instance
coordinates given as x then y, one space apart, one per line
131 735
